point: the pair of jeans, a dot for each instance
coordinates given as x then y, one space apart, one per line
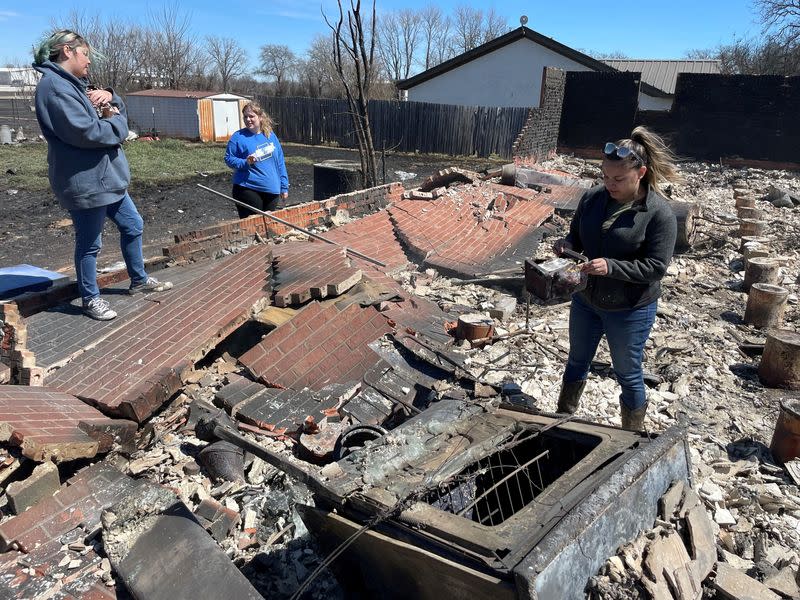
88 224
626 332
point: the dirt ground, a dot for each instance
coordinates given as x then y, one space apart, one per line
35 230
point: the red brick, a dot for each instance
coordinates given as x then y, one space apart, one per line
168 336
46 423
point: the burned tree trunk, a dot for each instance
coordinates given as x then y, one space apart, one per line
765 305
354 60
685 213
780 363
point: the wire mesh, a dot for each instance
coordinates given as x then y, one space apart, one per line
497 486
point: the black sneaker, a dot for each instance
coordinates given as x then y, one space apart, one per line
150 285
99 309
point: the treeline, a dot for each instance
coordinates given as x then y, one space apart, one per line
165 51
777 52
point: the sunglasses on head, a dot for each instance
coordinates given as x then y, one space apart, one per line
614 152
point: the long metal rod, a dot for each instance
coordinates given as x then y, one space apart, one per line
316 236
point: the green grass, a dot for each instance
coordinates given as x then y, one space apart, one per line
152 163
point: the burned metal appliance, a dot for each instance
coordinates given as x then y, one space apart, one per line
556 278
465 502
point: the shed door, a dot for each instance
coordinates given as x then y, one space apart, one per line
226 119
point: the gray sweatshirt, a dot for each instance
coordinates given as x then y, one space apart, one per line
86 163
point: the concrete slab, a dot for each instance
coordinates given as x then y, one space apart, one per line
136 368
49 425
733 584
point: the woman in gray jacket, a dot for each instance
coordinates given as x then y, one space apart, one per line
88 171
627 230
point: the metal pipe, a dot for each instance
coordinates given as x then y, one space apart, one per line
316 236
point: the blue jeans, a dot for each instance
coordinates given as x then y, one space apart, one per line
626 332
88 224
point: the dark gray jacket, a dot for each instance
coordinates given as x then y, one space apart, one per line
86 164
637 247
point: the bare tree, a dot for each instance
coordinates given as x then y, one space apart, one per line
467 28
173 49
771 56
353 45
435 36
398 38
277 61
781 17
228 59
493 25
118 45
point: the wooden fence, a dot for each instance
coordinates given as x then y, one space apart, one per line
401 126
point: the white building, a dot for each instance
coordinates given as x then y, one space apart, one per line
507 71
17 81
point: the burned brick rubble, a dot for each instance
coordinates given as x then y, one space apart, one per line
292 420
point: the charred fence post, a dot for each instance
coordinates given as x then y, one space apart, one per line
749 239
752 250
748 212
780 363
762 270
765 305
751 227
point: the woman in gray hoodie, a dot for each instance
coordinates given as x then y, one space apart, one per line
88 171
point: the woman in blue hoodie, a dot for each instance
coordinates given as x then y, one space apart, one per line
88 171
256 156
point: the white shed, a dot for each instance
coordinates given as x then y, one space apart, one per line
207 116
507 71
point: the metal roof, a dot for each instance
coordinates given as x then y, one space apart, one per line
663 74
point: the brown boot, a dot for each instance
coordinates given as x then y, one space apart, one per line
570 396
633 420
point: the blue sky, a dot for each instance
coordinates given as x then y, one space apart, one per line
640 29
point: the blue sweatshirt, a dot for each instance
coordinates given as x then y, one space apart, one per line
86 164
268 173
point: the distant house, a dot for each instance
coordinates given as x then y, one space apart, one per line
17 81
507 71
663 74
205 116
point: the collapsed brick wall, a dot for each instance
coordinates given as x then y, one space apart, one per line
539 137
208 241
598 107
14 354
752 117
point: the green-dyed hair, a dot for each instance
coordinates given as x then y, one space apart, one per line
50 47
